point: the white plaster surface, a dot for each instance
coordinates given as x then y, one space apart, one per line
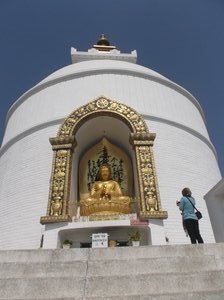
65 91
25 170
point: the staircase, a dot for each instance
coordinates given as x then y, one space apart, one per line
156 272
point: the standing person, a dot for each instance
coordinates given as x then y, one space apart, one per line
189 217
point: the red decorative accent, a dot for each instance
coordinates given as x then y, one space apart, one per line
139 223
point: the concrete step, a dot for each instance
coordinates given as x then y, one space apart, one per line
43 270
42 288
77 254
207 295
132 285
152 266
110 267
100 286
157 272
43 255
220 262
213 295
157 251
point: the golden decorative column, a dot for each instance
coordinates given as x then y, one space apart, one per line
57 210
149 200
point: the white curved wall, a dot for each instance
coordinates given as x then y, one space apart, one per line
183 153
25 170
56 99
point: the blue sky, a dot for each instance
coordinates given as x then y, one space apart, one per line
181 39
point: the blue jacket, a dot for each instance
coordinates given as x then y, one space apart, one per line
187 208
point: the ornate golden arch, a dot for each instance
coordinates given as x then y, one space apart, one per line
63 146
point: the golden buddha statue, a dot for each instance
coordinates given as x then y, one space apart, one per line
105 197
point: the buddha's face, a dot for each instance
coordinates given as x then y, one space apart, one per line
104 173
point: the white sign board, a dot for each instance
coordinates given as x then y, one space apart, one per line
99 240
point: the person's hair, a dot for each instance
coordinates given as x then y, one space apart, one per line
186 192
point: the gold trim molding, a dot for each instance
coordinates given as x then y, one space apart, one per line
102 106
63 146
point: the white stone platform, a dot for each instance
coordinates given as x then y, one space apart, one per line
81 229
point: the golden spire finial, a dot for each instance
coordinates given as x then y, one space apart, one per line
103 44
103 41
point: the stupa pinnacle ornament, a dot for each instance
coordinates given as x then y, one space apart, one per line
102 50
103 44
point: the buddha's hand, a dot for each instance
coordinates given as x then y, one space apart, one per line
104 191
105 196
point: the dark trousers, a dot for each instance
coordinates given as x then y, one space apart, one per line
192 227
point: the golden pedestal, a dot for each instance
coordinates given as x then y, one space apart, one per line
104 207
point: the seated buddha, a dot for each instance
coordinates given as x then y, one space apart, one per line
105 196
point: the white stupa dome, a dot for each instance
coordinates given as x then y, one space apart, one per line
184 154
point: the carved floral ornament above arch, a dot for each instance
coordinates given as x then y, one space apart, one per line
63 146
102 106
